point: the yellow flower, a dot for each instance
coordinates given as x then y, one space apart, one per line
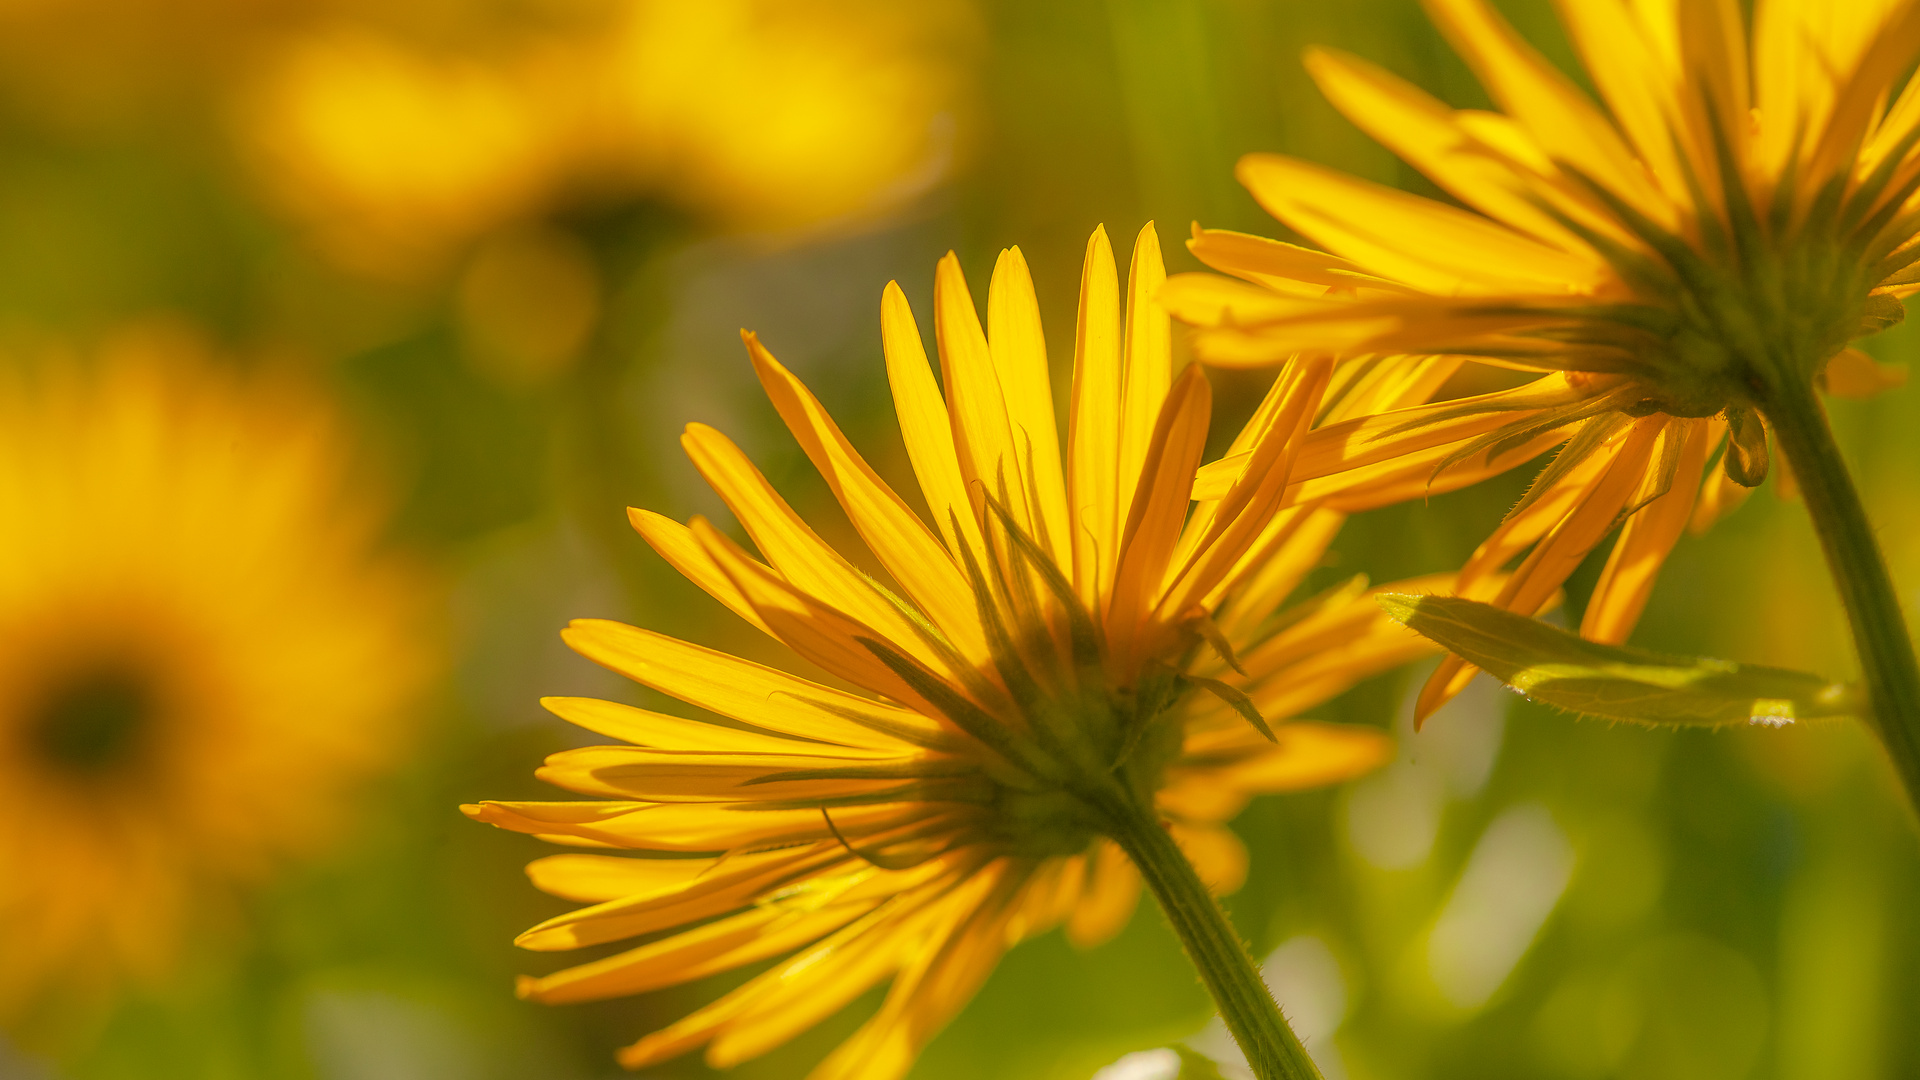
746 114
1742 208
1065 635
197 655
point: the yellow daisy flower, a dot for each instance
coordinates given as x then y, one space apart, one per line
1064 659
1687 262
197 654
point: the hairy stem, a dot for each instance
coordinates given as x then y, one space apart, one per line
1213 946
1859 572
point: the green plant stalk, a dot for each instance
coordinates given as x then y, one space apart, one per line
1225 966
1859 572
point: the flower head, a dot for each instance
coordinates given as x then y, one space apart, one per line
1742 208
1068 633
199 654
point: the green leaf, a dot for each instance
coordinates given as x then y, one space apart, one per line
1617 682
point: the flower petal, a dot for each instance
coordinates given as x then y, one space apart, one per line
1094 430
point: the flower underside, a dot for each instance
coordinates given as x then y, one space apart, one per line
1071 644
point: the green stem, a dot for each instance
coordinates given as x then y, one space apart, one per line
1213 946
1860 572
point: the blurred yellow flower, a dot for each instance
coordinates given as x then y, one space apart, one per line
748 114
197 653
1682 261
1066 648
391 154
777 114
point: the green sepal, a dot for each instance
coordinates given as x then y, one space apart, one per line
1746 458
1618 682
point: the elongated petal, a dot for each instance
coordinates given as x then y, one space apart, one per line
1107 902
790 545
1094 430
1424 133
925 425
840 644
1429 245
675 543
1637 81
1646 540
750 693
1559 117
1148 361
1020 360
912 554
636 772
982 432
643 727
594 878
1242 515
825 978
1217 856
1556 556
718 946
1273 264
1159 509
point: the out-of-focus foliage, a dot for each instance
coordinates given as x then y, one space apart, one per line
516 239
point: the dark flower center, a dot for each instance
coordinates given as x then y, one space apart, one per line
94 720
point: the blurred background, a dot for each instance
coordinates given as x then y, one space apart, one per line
507 246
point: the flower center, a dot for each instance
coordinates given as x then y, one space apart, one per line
93 721
1095 754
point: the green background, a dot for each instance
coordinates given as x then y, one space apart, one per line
1735 904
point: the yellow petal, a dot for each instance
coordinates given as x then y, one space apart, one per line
637 772
1598 505
1231 526
807 562
1094 430
1427 244
687 1033
912 554
643 727
689 827
925 426
932 989
730 884
1159 509
1148 363
981 431
741 690
820 634
1217 856
719 946
1854 374
1889 53
1423 132
1107 902
676 544
1311 755
1560 118
595 878
1019 351
1273 568
1288 268
825 978
1645 541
